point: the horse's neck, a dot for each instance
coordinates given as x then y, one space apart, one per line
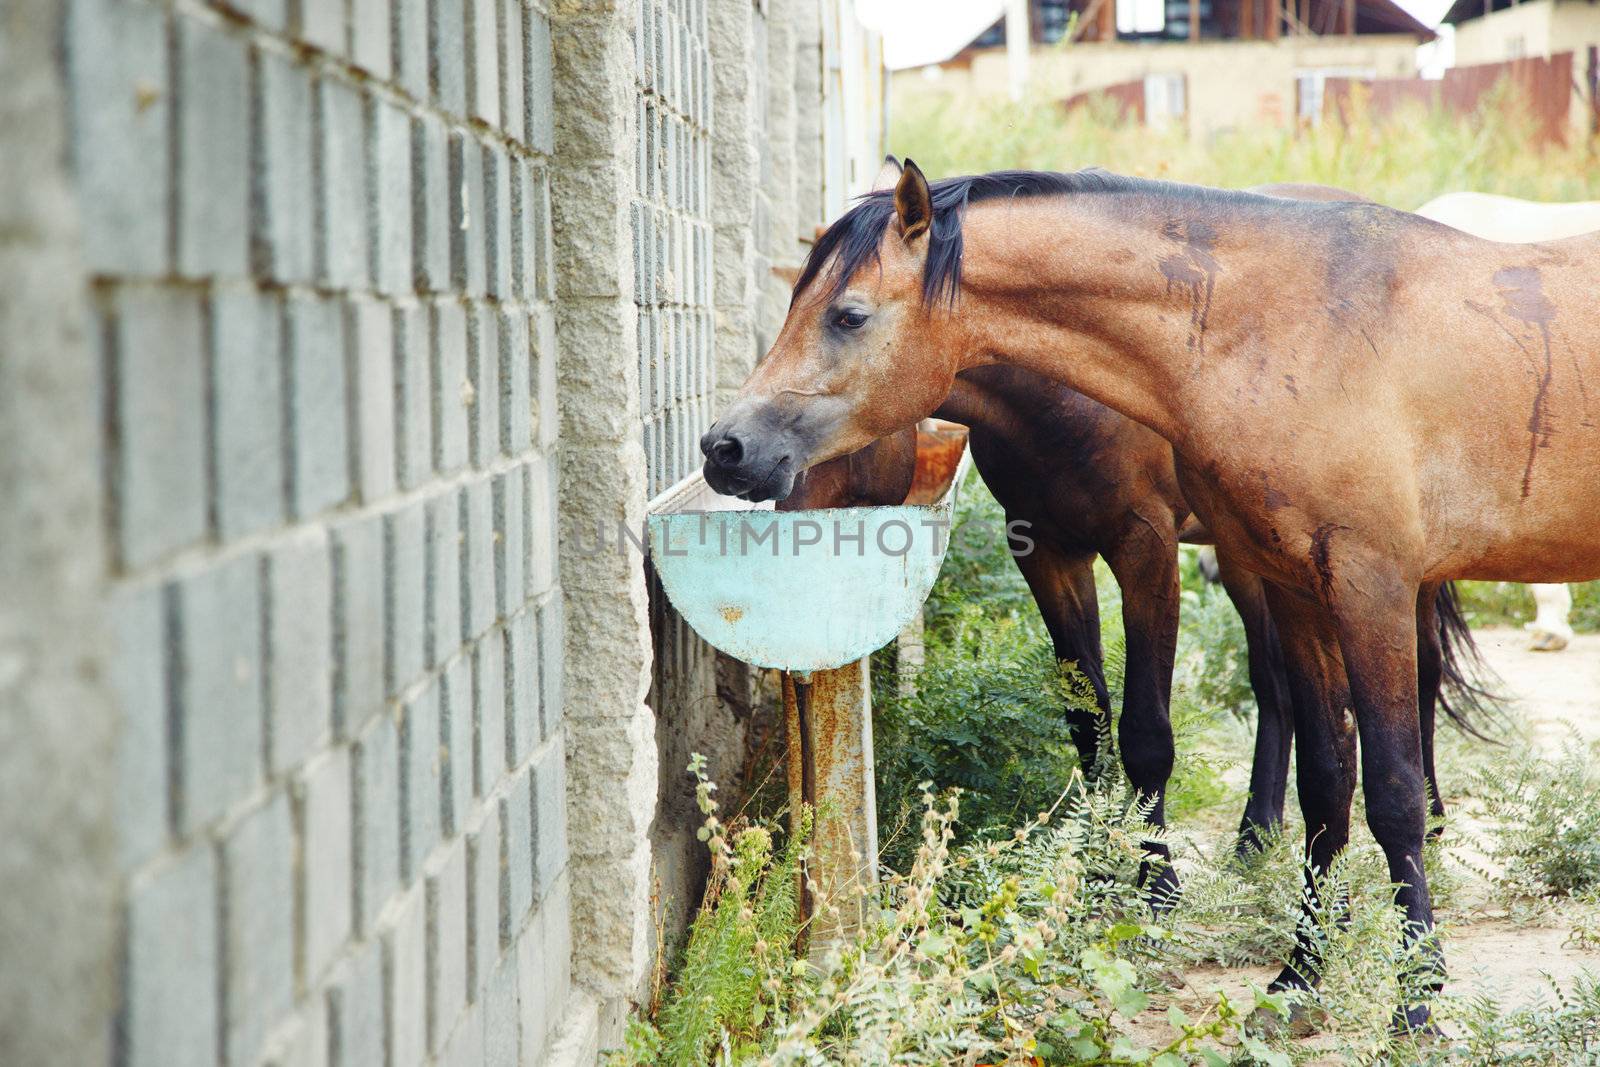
1114 304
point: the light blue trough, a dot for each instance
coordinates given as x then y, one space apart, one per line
800 590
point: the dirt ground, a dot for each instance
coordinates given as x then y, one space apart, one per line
1551 694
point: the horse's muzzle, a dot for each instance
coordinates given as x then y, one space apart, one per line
737 465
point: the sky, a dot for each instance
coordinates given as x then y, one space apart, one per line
918 31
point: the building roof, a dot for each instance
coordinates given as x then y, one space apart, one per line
1462 10
1372 16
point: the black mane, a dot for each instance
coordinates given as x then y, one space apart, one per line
852 242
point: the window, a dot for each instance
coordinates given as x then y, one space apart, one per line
1516 46
1163 99
993 37
1311 84
1053 16
1141 16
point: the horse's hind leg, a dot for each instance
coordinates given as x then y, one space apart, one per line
1375 613
1326 766
1146 567
1269 772
1062 584
1430 675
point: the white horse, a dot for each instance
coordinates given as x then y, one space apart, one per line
1513 221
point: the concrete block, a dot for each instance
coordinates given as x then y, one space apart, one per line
477 559
546 411
341 187
501 1043
512 95
328 858
269 14
409 46
538 63
405 552
432 197
170 1015
497 220
299 627
421 780
319 442
355 1002
116 59
552 670
464 1047
217 724
516 412
516 850
533 991
550 817
413 418
375 773
358 624
451 389
213 157
258 926
467 214
455 753
522 265
557 941
246 389
323 25
371 329
447 54
537 218
510 550
389 170
522 687
369 36
483 900
158 454
405 962
541 473
483 61
283 232
489 696
443 599
483 368
447 943
139 683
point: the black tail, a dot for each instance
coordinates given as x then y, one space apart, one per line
1465 694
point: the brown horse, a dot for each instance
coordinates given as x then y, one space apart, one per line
1087 481
1364 405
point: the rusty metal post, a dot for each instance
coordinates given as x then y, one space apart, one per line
828 716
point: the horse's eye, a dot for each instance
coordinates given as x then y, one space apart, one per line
850 319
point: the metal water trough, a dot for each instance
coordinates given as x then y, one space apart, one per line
812 593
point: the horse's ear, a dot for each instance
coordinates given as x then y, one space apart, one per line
788 275
888 175
913 202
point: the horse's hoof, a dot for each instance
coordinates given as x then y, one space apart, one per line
1416 1022
1546 641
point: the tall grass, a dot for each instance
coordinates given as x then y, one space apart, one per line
1403 161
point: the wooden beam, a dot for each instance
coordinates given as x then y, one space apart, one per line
1350 18
1247 19
1108 20
1194 20
1274 19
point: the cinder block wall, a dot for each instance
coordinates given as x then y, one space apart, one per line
320 263
341 326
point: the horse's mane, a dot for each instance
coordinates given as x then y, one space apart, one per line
852 242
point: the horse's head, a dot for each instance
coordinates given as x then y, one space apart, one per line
861 355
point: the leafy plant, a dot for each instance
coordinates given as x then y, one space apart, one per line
1544 823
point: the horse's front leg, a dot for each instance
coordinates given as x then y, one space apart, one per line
1374 610
1062 584
1269 771
1326 764
1146 568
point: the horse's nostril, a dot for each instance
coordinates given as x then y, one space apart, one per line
727 452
